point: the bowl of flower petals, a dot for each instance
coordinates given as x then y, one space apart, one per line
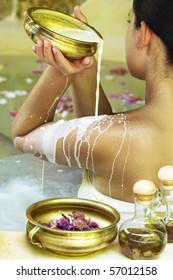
71 226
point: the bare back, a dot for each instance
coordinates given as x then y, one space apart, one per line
140 146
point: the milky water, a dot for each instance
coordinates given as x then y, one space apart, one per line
79 34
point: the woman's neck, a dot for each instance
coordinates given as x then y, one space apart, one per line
159 90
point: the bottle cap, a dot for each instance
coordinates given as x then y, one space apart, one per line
165 173
144 188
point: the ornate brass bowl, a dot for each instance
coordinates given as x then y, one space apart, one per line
41 25
71 243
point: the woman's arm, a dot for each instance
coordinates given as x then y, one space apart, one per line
84 87
41 103
84 94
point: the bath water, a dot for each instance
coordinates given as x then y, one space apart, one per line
20 180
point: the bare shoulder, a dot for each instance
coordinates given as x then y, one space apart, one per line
130 146
126 135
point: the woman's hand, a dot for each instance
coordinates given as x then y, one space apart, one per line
78 14
55 58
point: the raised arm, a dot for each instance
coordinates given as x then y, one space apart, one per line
41 103
39 107
84 94
84 87
33 128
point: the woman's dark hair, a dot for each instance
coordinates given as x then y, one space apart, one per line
158 15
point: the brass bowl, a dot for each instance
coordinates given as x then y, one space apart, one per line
41 23
71 243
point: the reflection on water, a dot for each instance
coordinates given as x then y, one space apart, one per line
20 186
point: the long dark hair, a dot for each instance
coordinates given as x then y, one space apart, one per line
158 15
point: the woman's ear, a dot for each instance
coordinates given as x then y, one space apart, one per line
145 35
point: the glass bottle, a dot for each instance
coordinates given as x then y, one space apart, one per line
165 176
144 236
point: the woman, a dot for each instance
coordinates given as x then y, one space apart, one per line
116 149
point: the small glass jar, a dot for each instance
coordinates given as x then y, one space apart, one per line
144 236
165 176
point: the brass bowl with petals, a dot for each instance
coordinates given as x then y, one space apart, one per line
71 243
42 22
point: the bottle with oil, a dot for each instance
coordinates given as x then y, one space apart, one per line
165 176
144 236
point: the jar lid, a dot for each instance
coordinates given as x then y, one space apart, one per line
144 188
165 173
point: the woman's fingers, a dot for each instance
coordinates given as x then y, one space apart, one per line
25 15
79 15
64 65
70 67
54 57
43 50
39 50
83 63
48 54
